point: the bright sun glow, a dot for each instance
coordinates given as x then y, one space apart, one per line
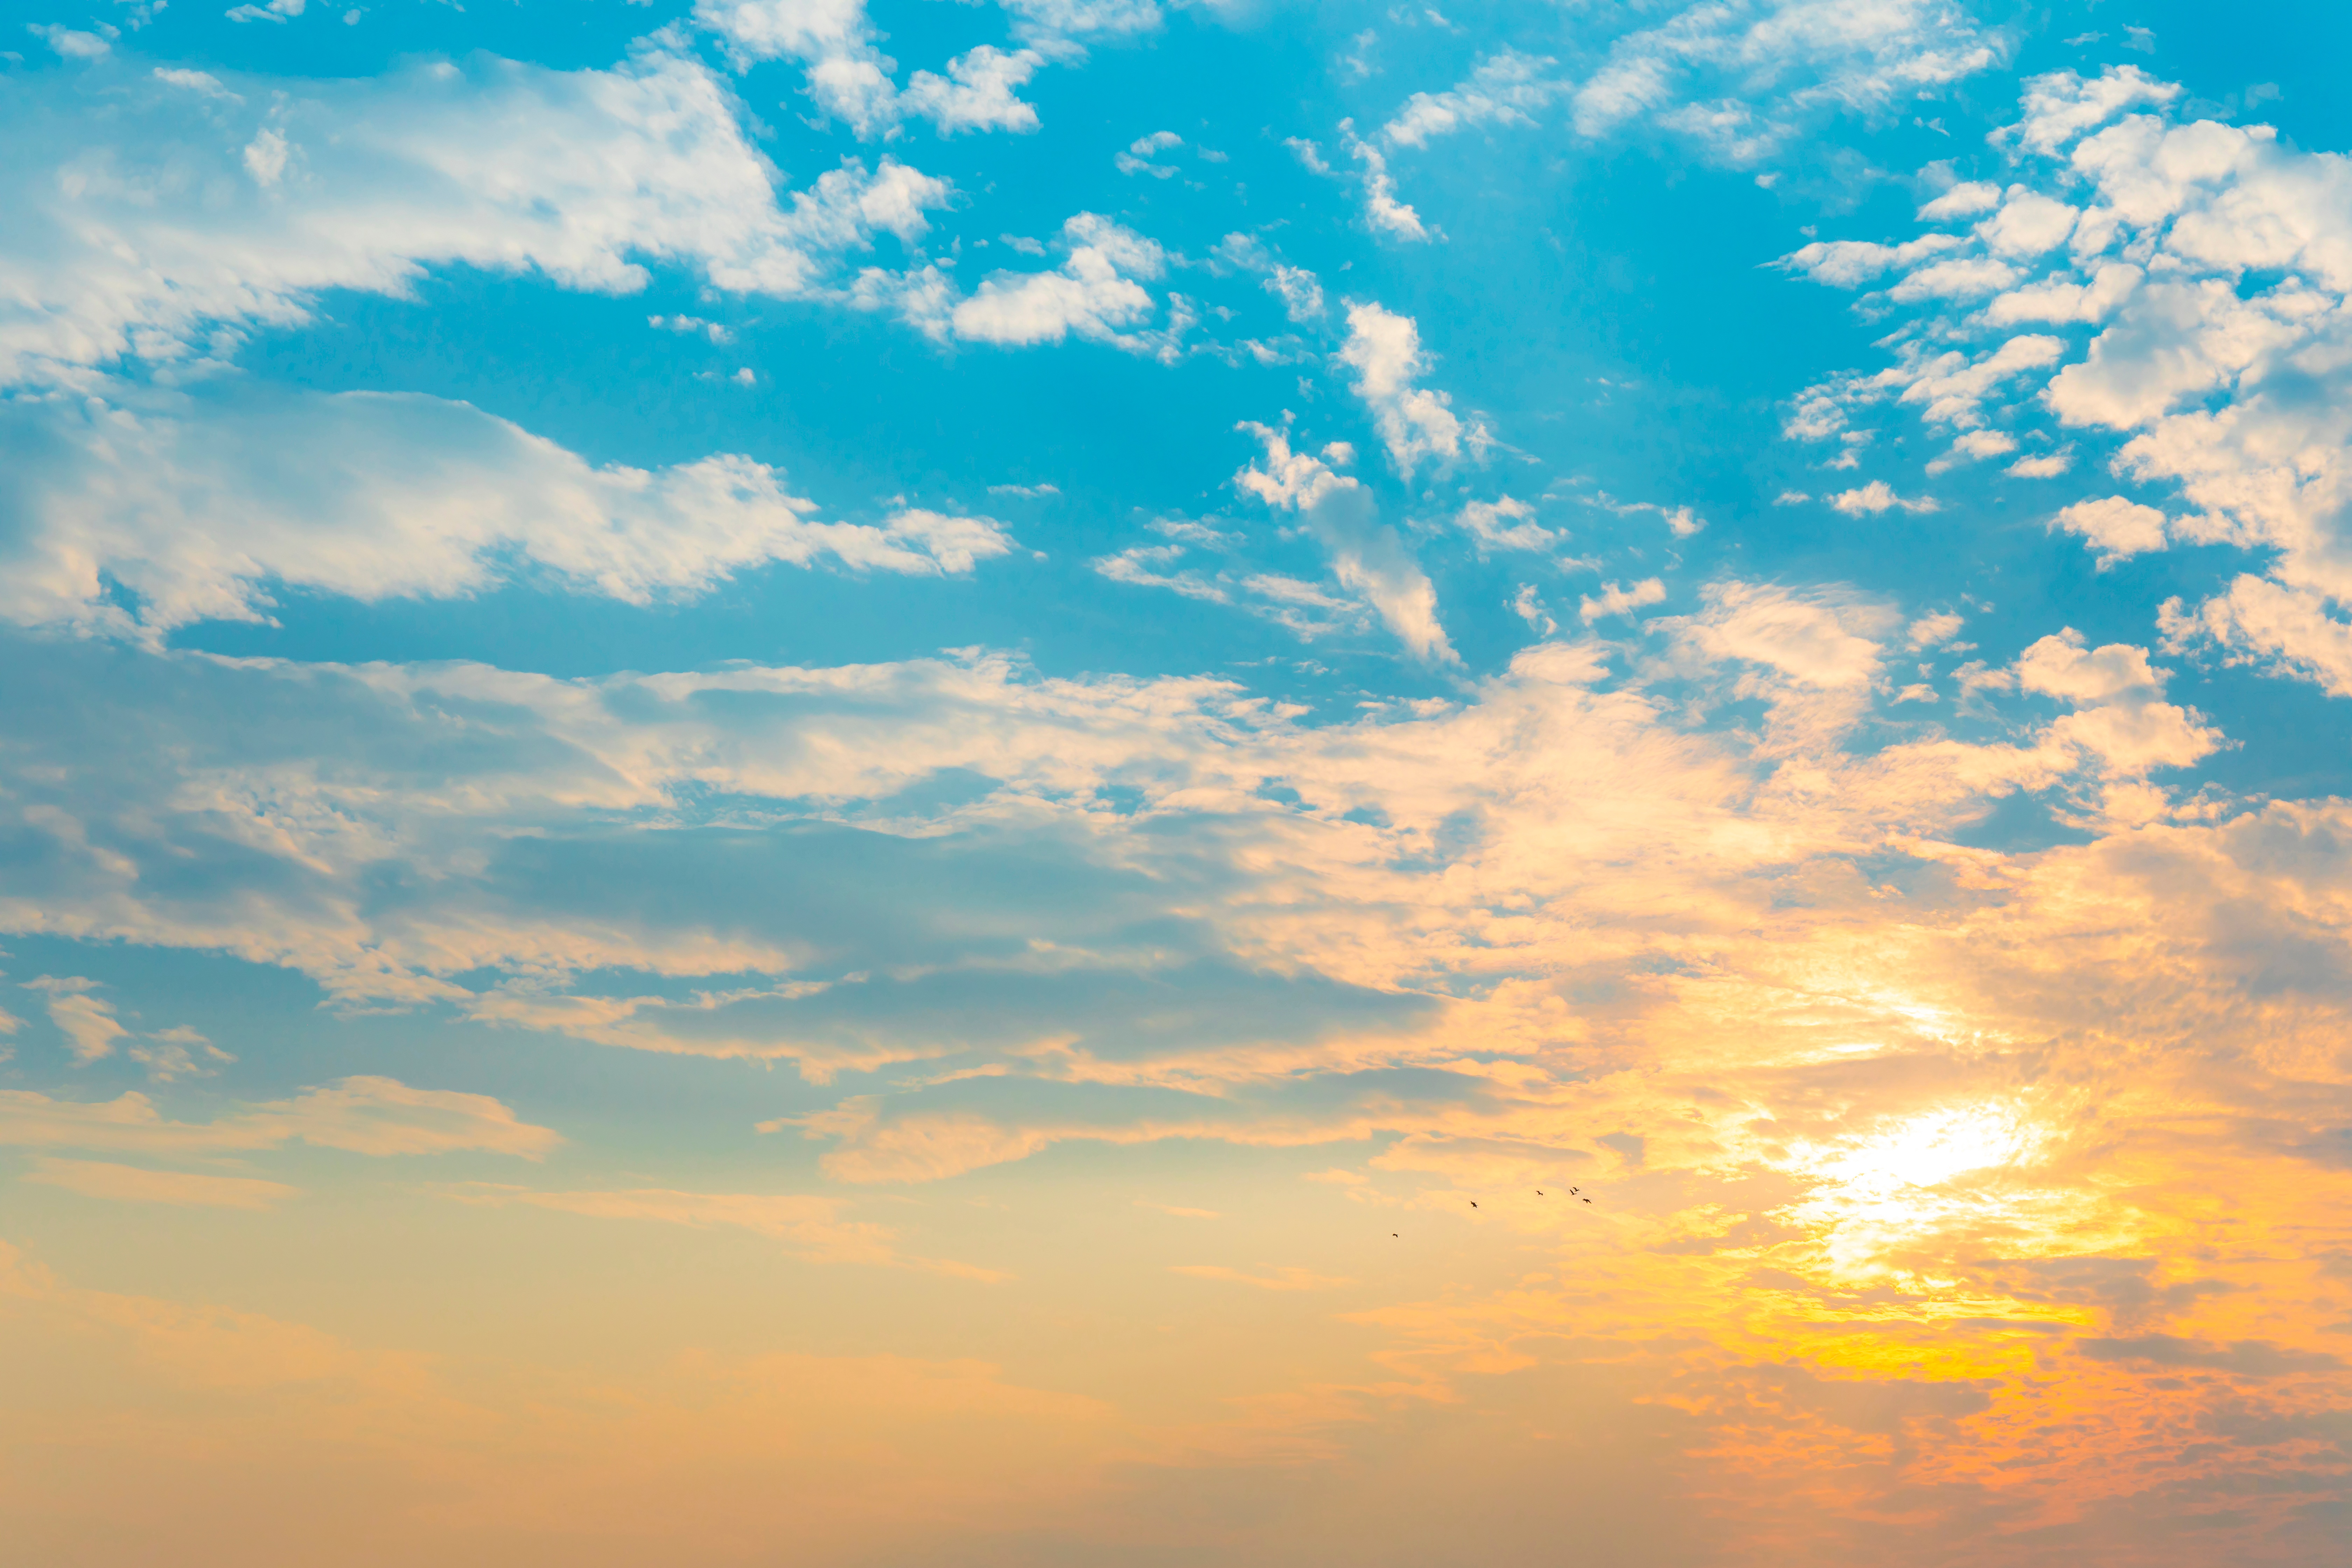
1929 1150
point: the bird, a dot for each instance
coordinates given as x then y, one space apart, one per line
1538 1192
1473 1202
1588 1200
1392 1233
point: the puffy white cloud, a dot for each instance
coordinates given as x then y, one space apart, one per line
1415 423
1849 263
1876 497
199 505
2116 692
175 213
1094 293
1507 88
2027 225
850 78
1966 198
2117 528
1933 630
1505 525
2211 264
2060 105
977 93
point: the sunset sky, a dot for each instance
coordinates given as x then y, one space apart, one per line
1105 783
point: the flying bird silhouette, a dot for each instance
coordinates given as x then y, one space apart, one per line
1473 1202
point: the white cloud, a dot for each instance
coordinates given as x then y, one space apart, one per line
2048 465
2119 718
1093 293
2117 528
1964 199
1742 77
1066 21
1137 159
2028 224
71 42
1508 87
198 507
1367 556
1822 640
1850 263
176 214
86 1022
2211 265
1382 211
850 78
2060 105
1617 600
1876 497
977 93
1415 423
1933 630
1974 445
1301 294
1504 524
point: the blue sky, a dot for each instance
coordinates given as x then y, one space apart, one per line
666 654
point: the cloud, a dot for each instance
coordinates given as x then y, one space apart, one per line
1366 555
137 1184
1093 294
2117 528
160 510
1382 211
2116 691
364 1115
1415 423
1504 524
850 78
1617 600
977 93
1137 159
88 1023
1743 78
174 1053
1877 497
1820 640
1507 88
2208 263
141 232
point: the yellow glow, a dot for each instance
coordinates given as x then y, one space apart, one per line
1929 1150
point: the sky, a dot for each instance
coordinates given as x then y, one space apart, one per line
877 783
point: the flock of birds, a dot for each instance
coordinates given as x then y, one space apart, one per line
1573 1192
